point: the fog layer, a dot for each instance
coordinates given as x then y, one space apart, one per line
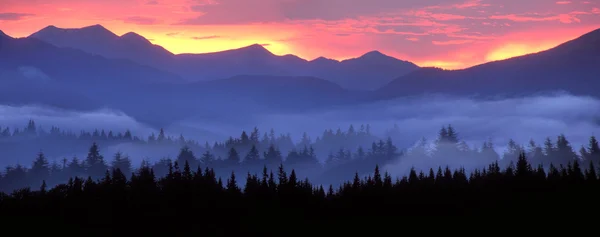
476 121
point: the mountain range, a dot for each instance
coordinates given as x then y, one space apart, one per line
370 71
92 68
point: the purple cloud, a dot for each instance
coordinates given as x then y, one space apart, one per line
12 16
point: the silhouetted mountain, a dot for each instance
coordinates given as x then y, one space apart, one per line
370 71
73 70
572 67
155 96
324 60
98 40
250 60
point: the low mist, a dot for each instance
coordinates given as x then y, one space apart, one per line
476 121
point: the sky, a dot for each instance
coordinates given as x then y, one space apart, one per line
451 34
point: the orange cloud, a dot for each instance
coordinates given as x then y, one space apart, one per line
451 42
563 2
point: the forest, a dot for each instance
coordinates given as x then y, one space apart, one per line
329 159
253 184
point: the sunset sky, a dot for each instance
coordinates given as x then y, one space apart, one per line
445 33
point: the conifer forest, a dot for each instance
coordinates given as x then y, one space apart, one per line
236 186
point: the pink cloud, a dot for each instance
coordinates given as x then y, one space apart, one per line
564 18
414 39
141 20
563 2
470 4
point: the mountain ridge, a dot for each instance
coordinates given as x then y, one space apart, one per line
571 66
251 59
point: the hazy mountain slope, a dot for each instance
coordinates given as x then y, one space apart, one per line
573 67
76 66
72 74
369 71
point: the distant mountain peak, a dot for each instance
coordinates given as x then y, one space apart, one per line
95 27
324 59
98 32
373 54
255 49
134 37
50 27
374 57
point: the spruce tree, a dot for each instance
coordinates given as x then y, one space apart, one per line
95 164
233 158
40 169
253 157
122 162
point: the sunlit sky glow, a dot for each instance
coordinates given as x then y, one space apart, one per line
445 33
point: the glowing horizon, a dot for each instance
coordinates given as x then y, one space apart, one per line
451 34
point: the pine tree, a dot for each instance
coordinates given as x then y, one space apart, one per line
161 136
244 138
43 187
282 175
253 157
122 162
233 158
95 164
254 136
452 136
523 168
31 128
208 159
377 177
293 180
564 151
273 156
594 150
186 155
549 148
232 185
590 173
40 168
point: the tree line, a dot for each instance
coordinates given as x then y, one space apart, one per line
195 201
447 150
16 144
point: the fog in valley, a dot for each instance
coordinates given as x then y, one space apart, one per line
406 121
